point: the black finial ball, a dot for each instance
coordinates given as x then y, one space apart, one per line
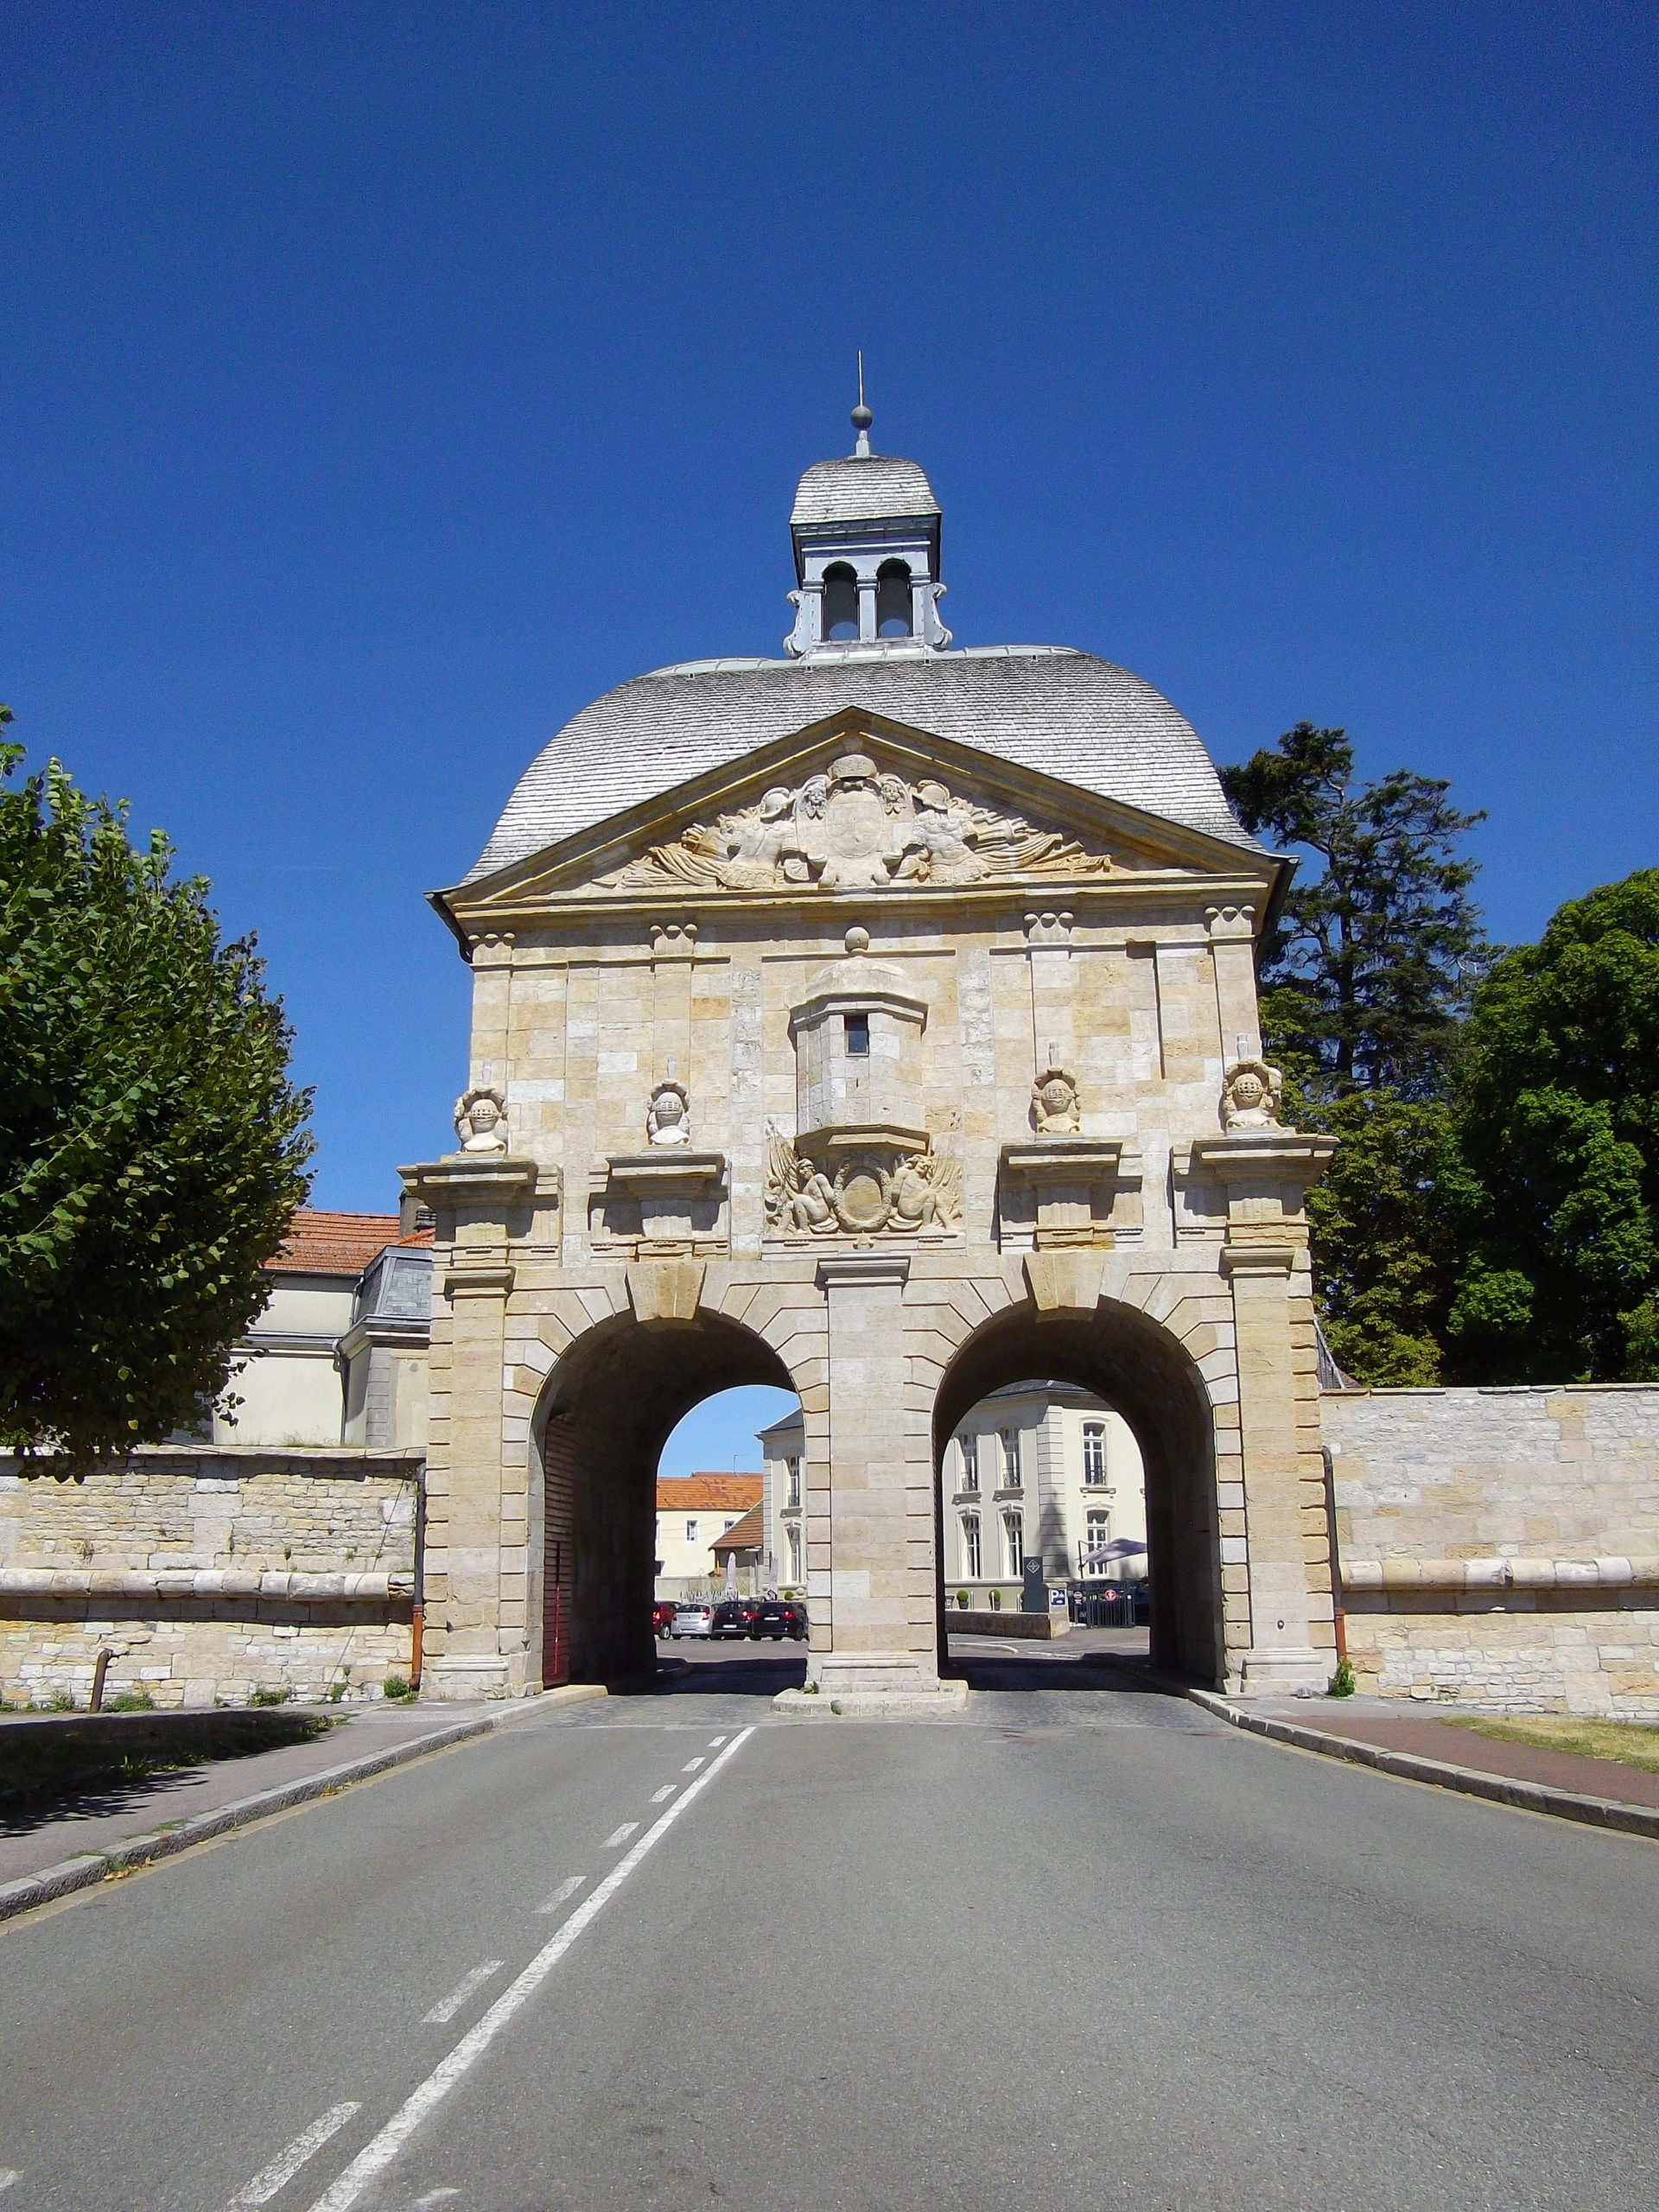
863 418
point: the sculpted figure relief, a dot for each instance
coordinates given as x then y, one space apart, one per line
667 1117
481 1121
1251 1096
857 827
1054 1109
868 1195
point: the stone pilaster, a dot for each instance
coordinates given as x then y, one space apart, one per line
880 1537
1276 1531
477 1568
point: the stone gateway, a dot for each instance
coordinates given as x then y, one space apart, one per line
879 1022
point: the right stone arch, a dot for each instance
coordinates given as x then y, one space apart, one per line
1137 1365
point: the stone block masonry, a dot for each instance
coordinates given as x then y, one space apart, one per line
1500 1549
208 1573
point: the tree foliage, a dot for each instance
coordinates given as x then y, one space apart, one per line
1559 1135
1371 967
152 1148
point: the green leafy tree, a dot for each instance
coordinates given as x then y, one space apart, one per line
1370 968
152 1148
1559 1134
1383 1234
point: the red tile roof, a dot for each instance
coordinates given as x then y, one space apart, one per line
707 1493
748 1535
319 1244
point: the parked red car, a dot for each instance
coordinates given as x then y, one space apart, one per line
662 1617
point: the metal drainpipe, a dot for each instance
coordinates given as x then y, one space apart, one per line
417 1614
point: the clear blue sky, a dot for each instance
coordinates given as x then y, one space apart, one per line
382 382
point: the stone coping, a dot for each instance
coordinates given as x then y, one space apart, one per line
373 1585
1605 1573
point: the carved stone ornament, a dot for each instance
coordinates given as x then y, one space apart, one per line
668 1118
1054 1108
856 828
481 1121
1250 1097
878 1187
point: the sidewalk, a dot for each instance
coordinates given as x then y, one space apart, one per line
1375 1731
1380 1720
35 1836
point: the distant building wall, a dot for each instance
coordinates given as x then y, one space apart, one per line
1500 1549
208 1572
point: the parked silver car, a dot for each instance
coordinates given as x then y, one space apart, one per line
693 1618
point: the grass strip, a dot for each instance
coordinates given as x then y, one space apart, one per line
1630 1743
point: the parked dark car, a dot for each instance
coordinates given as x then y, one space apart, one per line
777 1618
734 1616
662 1617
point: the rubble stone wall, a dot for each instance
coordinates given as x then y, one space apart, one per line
208 1573
1500 1549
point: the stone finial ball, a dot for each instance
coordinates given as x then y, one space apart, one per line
857 940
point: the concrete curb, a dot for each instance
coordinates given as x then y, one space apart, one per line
1411 1766
78 1873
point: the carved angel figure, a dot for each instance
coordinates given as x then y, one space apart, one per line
797 1196
481 1121
1251 1095
926 1192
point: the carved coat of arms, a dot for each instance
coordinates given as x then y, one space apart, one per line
856 828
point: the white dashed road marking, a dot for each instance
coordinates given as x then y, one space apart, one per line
376 2155
8 2175
563 1894
284 2167
690 1766
661 1797
715 1743
619 1836
448 2008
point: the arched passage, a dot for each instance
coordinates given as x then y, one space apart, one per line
1135 1366
608 1409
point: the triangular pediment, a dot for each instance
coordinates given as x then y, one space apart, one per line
856 803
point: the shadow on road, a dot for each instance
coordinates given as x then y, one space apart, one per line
1090 1659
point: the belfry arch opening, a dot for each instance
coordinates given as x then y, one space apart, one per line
840 601
1118 1359
608 1407
892 599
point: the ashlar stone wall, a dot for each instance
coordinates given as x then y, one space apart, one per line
1500 1549
208 1573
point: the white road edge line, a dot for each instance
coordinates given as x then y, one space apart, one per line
446 2007
618 1836
661 1797
284 2167
563 1895
379 2154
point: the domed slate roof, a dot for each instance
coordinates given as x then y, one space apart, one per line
867 488
1064 713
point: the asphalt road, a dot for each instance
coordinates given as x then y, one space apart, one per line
1088 1946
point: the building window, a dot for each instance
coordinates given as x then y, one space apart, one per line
970 1559
892 599
1097 1530
1010 1442
792 1468
1094 1451
690 1532
792 1546
967 1461
1014 1530
858 1036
